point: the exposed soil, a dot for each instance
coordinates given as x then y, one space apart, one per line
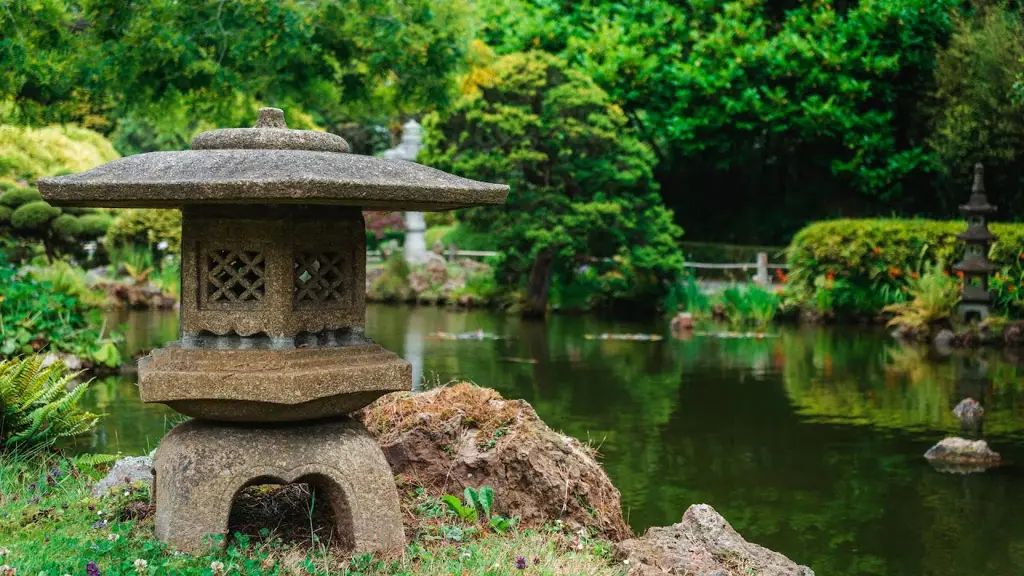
463 436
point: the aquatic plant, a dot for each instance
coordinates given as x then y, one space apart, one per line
749 304
39 404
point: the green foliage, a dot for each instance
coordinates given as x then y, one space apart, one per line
977 114
687 296
34 217
393 283
63 278
18 195
160 72
478 504
31 153
40 404
582 187
37 317
860 266
934 295
465 238
781 111
32 220
142 227
749 304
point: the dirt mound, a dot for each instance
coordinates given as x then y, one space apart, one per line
466 436
702 543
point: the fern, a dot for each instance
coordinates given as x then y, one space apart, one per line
40 404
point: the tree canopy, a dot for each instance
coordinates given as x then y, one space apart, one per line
582 185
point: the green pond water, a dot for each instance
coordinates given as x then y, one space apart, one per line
809 442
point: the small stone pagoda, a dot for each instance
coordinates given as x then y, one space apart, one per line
975 298
272 355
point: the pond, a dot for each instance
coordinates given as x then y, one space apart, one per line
809 442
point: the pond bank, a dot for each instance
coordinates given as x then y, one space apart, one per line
528 522
811 426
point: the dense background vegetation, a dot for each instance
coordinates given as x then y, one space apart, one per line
616 123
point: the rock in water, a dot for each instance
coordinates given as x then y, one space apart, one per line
969 411
962 456
126 470
462 436
702 543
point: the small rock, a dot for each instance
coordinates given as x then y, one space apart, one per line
681 321
969 411
945 339
961 456
133 469
1013 335
702 543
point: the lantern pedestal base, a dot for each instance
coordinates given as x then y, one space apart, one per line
202 466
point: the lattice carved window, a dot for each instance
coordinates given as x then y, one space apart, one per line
235 276
319 277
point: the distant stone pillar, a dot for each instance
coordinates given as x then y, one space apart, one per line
415 248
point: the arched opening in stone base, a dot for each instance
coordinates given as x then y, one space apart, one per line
312 511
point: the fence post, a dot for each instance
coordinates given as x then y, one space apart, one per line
762 277
451 252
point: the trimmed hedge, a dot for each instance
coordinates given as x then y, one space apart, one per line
870 253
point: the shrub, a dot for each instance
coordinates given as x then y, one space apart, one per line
869 263
39 403
37 316
18 195
582 182
31 153
29 219
145 228
934 296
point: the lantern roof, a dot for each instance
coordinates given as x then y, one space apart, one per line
268 164
978 203
975 264
977 235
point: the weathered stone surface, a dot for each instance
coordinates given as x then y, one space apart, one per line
702 543
945 339
201 467
270 133
957 455
176 179
271 385
454 437
272 270
125 471
969 411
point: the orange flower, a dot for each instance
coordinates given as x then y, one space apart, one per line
1010 288
914 275
781 275
1022 255
830 276
878 251
894 272
960 275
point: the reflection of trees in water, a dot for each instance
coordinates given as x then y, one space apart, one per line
800 441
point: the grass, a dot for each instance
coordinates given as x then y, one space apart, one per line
50 523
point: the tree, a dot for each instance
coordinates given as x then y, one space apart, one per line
157 72
977 113
785 110
582 186
26 217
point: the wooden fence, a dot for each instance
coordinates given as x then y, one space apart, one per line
761 266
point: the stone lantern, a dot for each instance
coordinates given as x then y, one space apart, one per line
975 298
272 355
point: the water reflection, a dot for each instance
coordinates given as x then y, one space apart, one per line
809 442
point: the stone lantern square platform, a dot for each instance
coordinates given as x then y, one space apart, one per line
272 355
